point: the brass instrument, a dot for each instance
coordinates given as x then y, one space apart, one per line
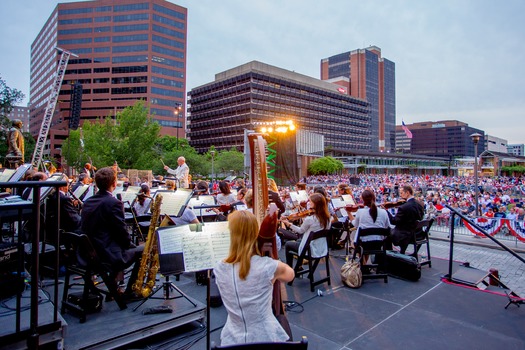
149 264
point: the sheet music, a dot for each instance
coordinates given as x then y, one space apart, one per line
338 202
128 196
90 192
6 175
173 201
200 250
349 199
170 239
299 196
196 202
198 253
80 190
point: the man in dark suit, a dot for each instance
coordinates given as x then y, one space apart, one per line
69 216
103 221
406 218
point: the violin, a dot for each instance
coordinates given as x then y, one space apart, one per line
388 205
299 215
353 208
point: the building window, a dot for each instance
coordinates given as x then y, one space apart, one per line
167 82
169 12
130 28
167 52
128 38
168 42
75 21
170 32
103 19
165 92
130 48
102 39
129 69
167 61
102 49
75 31
75 11
131 7
166 71
127 59
168 21
75 41
134 17
129 90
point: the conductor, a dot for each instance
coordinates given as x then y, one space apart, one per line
181 173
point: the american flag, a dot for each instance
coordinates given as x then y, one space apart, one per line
405 129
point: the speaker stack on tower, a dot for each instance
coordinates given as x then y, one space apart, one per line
76 106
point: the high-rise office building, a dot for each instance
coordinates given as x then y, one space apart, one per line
127 50
365 74
220 111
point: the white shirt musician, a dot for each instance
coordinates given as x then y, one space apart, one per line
181 173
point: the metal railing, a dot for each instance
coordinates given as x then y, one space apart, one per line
461 230
454 212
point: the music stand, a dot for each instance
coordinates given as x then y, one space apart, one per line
170 263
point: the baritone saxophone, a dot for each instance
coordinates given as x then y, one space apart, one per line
149 264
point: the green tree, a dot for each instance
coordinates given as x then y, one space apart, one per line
325 165
129 140
232 159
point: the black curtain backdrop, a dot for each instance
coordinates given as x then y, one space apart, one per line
286 169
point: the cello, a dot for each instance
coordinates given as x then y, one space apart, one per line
268 221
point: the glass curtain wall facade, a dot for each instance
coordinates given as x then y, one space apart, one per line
127 50
256 93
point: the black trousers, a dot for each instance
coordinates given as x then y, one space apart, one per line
289 247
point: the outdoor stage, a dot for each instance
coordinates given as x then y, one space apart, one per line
427 314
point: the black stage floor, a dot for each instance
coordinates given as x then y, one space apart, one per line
428 314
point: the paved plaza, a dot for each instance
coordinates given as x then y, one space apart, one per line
483 255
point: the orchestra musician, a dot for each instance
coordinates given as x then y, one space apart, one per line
319 220
245 280
369 217
181 173
103 220
88 170
225 197
143 202
406 218
69 214
83 179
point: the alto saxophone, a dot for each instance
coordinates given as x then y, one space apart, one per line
149 264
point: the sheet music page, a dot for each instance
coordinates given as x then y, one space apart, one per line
349 199
6 175
198 254
80 190
202 250
338 202
128 196
220 239
299 196
173 201
90 192
195 203
170 239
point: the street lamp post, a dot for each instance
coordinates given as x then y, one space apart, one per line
475 139
177 115
212 170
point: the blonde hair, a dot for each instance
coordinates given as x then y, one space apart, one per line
272 185
248 198
244 230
